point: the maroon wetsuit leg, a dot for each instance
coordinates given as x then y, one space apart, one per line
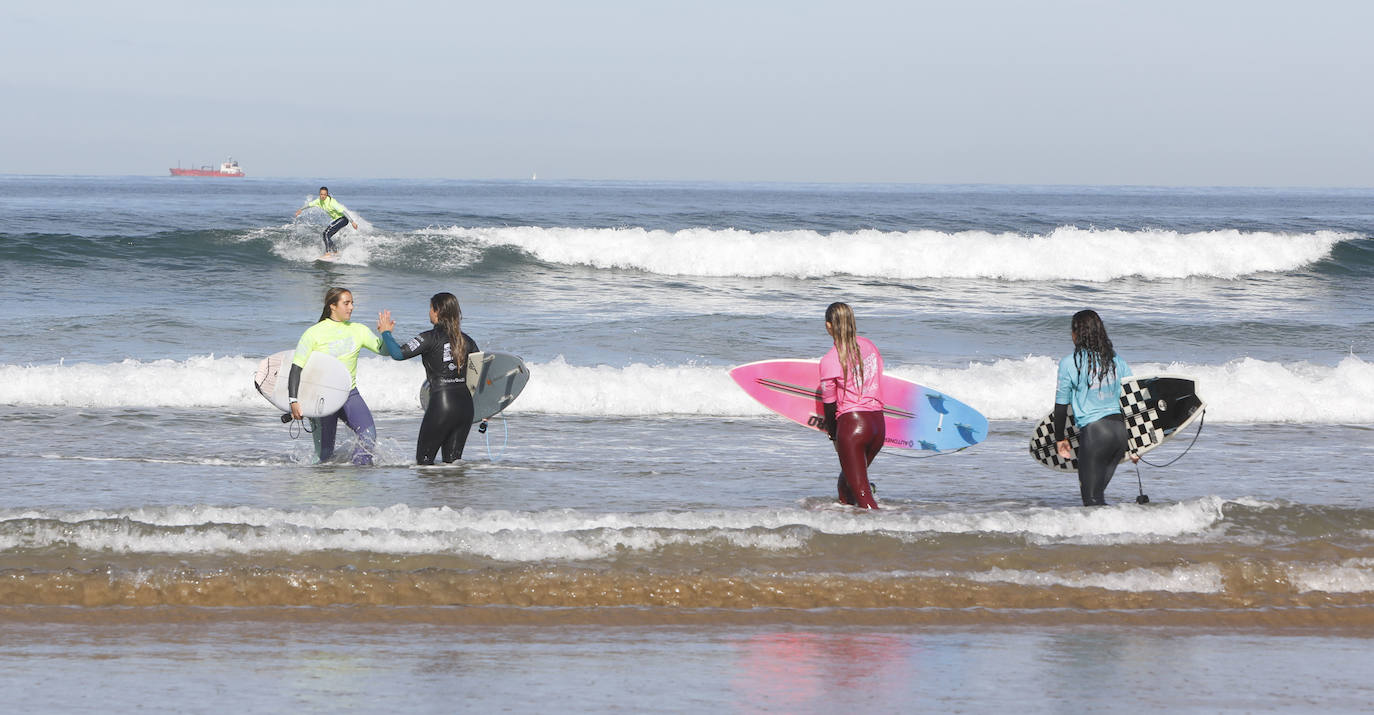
858 438
843 487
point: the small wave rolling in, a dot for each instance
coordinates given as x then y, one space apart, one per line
1199 555
1240 391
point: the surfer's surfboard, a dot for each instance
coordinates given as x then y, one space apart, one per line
325 383
495 379
916 417
1156 407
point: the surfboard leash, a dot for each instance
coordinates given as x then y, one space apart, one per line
1201 419
1142 498
294 428
919 455
505 440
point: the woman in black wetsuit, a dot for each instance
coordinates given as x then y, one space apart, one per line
449 415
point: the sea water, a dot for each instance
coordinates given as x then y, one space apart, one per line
638 534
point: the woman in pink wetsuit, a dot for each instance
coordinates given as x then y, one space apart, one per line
851 390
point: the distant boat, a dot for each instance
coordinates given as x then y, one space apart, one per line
228 168
534 177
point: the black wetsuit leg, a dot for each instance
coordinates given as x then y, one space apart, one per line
334 228
1101 445
445 425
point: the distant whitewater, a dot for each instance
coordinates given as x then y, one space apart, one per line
1246 390
1091 255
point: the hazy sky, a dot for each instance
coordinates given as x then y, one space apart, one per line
1192 92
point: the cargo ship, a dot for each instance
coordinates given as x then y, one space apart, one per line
228 168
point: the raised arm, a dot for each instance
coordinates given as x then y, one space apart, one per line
414 347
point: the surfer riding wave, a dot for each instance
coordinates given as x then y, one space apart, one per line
338 219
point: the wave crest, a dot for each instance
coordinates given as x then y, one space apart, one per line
1067 253
1245 390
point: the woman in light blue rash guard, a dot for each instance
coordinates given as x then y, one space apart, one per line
1090 382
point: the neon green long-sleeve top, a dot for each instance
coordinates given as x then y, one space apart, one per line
329 205
341 340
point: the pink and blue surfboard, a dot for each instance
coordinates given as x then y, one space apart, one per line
916 416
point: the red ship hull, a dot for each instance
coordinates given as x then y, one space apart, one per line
202 172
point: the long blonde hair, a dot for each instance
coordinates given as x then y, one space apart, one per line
841 319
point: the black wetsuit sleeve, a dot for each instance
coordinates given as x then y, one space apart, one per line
416 346
831 421
293 383
1058 420
472 344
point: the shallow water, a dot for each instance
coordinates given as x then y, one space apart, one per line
638 534
280 665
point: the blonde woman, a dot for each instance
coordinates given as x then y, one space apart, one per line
851 391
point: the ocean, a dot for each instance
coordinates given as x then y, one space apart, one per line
637 534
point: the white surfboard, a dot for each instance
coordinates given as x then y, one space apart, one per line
494 379
325 383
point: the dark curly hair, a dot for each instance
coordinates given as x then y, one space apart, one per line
1090 342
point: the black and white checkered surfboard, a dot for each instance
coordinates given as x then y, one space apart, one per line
1156 407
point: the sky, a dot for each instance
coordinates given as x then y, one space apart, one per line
1199 92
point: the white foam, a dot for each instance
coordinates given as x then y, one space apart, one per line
1204 578
1066 253
558 534
1245 390
519 546
1351 576
1117 524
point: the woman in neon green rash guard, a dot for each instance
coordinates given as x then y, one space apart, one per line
335 335
337 217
